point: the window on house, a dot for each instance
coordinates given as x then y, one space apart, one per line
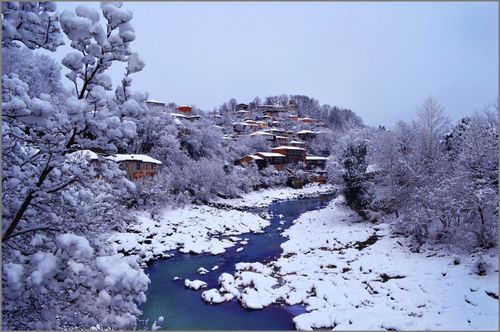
137 165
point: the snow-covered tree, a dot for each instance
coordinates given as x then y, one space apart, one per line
32 23
43 135
50 187
441 183
39 71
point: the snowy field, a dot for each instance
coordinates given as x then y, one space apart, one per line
355 275
265 197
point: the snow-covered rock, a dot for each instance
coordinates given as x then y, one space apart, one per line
195 284
202 271
214 296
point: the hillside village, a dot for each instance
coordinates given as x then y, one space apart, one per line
288 136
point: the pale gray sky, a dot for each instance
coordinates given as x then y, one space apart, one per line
379 59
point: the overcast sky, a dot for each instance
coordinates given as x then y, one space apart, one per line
379 59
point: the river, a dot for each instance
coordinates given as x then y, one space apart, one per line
184 309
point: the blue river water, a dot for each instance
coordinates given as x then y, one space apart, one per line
184 309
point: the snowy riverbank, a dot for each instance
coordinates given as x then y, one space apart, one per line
352 275
265 197
191 229
202 229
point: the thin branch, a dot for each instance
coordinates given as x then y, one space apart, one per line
61 186
48 228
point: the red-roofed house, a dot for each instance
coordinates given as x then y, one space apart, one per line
292 154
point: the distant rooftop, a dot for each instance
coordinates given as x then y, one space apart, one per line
254 157
152 101
271 154
287 147
138 157
316 158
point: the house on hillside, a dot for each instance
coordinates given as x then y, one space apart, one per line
269 137
262 124
315 162
244 127
297 144
248 159
282 140
241 107
278 131
277 160
306 135
184 108
292 154
137 166
243 114
153 103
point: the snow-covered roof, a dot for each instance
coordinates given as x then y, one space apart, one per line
306 131
281 137
287 147
316 158
242 111
254 157
297 142
260 132
178 115
82 155
248 124
138 157
271 154
152 101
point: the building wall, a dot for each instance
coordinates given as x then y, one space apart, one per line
137 169
313 164
291 157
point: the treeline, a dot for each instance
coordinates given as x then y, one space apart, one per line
439 180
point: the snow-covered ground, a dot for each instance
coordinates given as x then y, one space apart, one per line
192 229
265 197
199 229
355 275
